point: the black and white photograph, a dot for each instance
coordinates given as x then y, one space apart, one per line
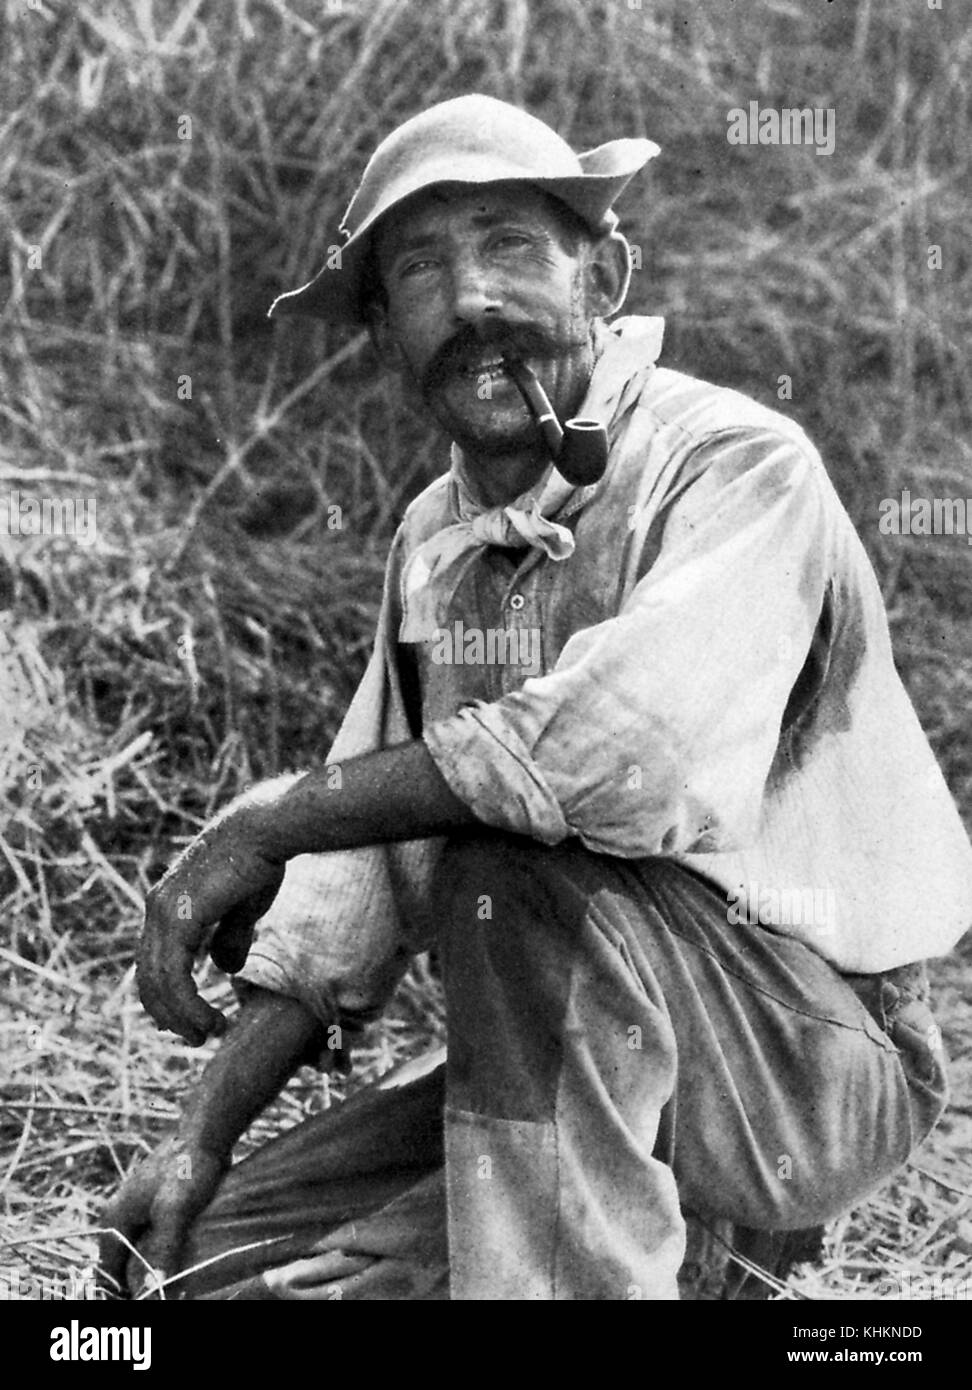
486 672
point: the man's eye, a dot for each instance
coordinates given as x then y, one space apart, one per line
511 239
417 267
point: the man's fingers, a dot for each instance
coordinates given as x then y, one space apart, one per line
171 939
163 1244
233 887
152 1213
192 1178
158 1240
113 1257
232 939
127 1214
231 943
168 991
147 1282
170 997
182 1010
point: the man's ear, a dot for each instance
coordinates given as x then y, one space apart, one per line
382 338
608 274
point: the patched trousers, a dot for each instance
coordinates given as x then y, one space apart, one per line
618 1054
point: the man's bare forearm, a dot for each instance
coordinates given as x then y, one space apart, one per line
270 1038
228 877
395 794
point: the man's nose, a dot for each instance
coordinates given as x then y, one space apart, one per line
475 294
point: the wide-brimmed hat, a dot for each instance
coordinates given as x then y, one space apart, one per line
475 140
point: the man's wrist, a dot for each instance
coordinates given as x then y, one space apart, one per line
254 818
192 1146
203 1130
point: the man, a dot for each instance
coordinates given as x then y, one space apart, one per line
633 755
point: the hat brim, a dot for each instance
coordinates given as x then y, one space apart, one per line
334 294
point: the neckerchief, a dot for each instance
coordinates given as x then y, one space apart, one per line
628 350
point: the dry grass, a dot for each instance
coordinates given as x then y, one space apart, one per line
215 631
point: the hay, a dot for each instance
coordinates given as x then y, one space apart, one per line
248 478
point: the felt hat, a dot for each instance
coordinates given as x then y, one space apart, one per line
474 140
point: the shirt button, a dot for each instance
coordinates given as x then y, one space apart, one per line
517 602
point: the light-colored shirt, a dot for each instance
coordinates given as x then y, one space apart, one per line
708 676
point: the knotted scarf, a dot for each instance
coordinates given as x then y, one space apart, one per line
627 352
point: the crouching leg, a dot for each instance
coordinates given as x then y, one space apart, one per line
619 1052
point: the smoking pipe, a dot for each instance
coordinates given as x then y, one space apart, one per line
579 447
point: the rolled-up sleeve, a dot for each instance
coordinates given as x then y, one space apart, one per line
655 730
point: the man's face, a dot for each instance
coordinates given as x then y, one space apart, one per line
469 271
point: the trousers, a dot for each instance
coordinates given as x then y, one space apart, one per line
618 1055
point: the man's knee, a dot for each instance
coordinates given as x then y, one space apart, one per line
477 871
537 975
510 912
515 882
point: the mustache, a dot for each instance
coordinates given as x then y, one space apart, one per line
465 348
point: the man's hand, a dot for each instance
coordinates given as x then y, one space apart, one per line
153 1210
224 880
228 877
271 1037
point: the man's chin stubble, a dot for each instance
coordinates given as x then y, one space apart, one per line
497 444
523 438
